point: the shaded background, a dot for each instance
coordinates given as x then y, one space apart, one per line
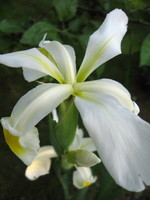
22 26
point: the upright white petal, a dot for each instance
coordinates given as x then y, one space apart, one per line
32 59
122 139
80 142
35 105
77 140
83 177
25 147
64 56
41 164
104 44
108 87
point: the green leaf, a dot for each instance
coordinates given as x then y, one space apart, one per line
75 25
81 193
65 9
36 32
11 26
64 131
134 38
136 4
145 52
5 43
53 139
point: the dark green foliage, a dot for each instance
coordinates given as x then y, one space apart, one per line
11 26
65 9
145 52
37 31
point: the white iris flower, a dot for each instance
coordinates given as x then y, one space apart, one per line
122 138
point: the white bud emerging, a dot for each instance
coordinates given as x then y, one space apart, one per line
83 177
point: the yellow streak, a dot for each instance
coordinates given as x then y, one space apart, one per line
13 143
53 72
87 67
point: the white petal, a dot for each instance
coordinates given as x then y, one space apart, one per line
82 143
41 164
64 57
87 144
83 177
38 168
104 44
46 152
122 140
31 59
108 87
32 75
34 106
25 147
55 116
136 108
30 142
77 140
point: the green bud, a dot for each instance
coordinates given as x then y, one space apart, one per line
86 158
82 158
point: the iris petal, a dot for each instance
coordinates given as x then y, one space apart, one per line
32 59
35 105
121 137
104 44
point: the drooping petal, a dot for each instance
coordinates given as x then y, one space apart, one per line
122 139
25 147
34 106
32 59
104 44
64 57
108 87
83 177
41 164
38 168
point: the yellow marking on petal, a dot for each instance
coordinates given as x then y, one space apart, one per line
13 143
86 184
48 55
86 69
56 74
110 89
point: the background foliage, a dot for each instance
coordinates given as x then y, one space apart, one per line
22 26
